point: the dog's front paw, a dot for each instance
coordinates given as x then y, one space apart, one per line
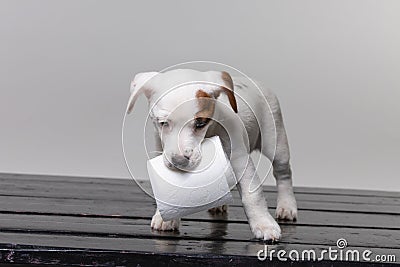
266 228
220 209
286 208
157 223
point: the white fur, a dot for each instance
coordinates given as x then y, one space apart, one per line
178 107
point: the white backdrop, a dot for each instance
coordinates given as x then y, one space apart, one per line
66 67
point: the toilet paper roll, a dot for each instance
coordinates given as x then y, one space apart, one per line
180 193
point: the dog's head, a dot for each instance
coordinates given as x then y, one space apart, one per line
182 105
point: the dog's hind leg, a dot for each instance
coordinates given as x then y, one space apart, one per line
218 210
286 203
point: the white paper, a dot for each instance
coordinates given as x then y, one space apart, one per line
179 193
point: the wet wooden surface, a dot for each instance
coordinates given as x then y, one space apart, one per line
106 222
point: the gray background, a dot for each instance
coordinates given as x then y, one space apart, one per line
66 67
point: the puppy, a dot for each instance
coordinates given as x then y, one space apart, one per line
187 106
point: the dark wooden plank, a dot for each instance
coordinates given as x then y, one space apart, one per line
65 178
129 191
140 228
145 199
128 181
125 209
74 250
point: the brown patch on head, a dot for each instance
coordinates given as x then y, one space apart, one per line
201 93
206 105
228 90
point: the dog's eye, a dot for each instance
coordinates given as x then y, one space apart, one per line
163 123
200 122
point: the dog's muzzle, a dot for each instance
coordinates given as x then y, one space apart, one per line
179 161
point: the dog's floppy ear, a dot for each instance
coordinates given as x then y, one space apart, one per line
139 85
228 90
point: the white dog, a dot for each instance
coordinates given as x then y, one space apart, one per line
188 105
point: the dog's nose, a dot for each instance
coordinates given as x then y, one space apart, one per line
179 160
